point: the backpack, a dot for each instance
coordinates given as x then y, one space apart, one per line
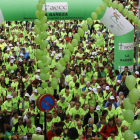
106 127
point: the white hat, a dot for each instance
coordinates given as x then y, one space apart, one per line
60 39
63 29
105 49
86 32
11 61
20 60
98 107
86 40
98 87
47 39
135 136
97 29
54 41
38 129
10 45
113 47
98 50
87 44
12 71
112 97
5 45
38 70
94 90
21 54
60 48
8 49
52 54
50 32
27 95
37 77
75 65
92 57
24 22
57 57
83 74
136 72
7 26
119 81
35 90
61 21
2 40
90 88
57 32
9 96
93 53
12 57
107 88
69 35
103 31
32 27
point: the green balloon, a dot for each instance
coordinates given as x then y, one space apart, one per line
125 12
98 11
45 52
40 65
90 21
120 7
37 30
38 40
57 74
59 67
135 19
47 76
94 16
67 52
44 35
46 69
127 104
43 20
81 32
39 6
43 76
53 84
85 27
130 82
42 1
66 58
135 126
76 36
109 4
44 44
74 42
38 56
70 47
128 135
43 58
40 90
62 62
39 52
37 14
37 22
50 91
103 6
129 115
44 27
55 79
41 14
134 95
48 61
130 15
44 84
139 23
114 4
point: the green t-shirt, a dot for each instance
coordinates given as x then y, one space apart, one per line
57 119
74 111
30 130
15 103
21 130
120 113
63 105
26 105
8 106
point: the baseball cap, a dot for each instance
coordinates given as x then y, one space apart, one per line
27 94
9 96
107 88
38 129
63 29
23 49
137 72
12 71
60 48
91 57
11 61
21 54
119 81
83 74
5 45
37 77
135 136
10 45
112 97
52 54
35 90
98 87
38 70
50 32
57 57
8 49
94 90
60 39
98 107
20 60
105 49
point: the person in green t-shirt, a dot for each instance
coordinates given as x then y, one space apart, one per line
38 135
58 133
113 136
29 129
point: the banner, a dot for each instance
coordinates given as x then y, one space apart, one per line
1 17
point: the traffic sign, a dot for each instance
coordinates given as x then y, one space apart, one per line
46 102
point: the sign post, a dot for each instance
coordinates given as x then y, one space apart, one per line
45 103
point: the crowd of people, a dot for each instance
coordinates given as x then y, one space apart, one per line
89 95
